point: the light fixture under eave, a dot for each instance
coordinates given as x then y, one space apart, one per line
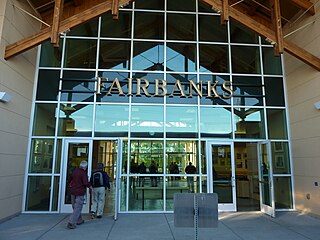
5 97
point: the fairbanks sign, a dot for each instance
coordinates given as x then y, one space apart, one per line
160 88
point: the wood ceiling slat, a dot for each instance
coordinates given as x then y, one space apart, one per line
58 8
305 5
276 20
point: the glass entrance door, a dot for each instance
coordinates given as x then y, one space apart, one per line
74 152
221 174
267 202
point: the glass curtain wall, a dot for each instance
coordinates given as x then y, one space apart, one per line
164 77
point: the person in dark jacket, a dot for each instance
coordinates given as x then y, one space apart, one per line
100 183
78 183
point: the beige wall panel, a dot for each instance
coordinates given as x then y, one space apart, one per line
14 123
306 129
3 4
304 111
13 144
12 165
306 166
12 205
309 147
305 186
11 186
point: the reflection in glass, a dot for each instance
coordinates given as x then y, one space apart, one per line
245 59
241 34
120 28
38 193
271 62
88 29
41 156
280 159
215 122
55 196
114 55
274 91
148 25
247 91
48 85
181 27
203 159
181 5
75 120
111 120
147 121
148 56
265 176
80 53
221 172
211 30
249 123
213 58
283 192
181 57
150 4
58 156
50 56
277 124
44 122
182 122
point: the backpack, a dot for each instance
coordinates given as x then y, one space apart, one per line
97 179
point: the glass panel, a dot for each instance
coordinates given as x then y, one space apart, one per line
114 54
203 158
277 124
50 56
148 56
240 34
215 100
123 195
58 156
41 156
247 91
283 192
181 57
77 152
271 62
55 196
221 172
213 58
249 123
147 121
204 184
181 27
75 120
48 85
182 122
88 29
265 176
147 83
211 30
80 53
205 7
181 5
176 94
148 25
215 122
38 193
44 122
112 121
150 4
245 59
176 185
274 91
120 28
281 159
108 79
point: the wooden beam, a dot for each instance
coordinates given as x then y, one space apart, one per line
305 5
77 2
38 38
115 9
225 12
276 20
268 33
58 9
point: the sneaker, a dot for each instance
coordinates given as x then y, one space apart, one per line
79 223
99 216
92 215
71 226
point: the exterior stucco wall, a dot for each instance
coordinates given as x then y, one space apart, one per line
16 78
303 85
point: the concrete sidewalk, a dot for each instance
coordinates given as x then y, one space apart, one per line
232 226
